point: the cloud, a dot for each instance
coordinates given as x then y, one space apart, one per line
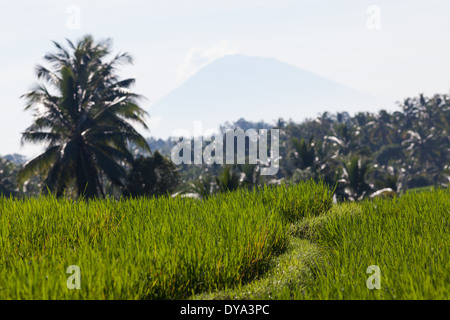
199 57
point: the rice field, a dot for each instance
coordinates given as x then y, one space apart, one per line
284 242
164 248
408 238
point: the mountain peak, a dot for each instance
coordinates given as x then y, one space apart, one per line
255 88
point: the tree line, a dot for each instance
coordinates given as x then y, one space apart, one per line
359 156
85 115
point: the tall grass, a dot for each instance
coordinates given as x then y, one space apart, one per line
165 248
298 201
408 238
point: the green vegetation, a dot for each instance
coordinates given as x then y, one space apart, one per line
155 248
407 237
83 113
285 242
140 227
359 154
151 176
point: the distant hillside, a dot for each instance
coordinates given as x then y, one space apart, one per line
255 88
16 158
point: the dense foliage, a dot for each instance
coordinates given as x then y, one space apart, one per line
151 176
82 113
359 155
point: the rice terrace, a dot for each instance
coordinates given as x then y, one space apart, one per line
275 243
295 185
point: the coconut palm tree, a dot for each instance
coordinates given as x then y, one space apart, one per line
305 152
356 178
83 113
229 180
151 176
381 129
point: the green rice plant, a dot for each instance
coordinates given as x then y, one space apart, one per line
289 272
298 201
142 248
147 248
408 238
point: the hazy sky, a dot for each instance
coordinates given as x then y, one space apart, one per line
407 53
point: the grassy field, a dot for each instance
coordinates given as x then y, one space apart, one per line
408 238
165 248
277 243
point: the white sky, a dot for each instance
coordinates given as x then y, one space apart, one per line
171 39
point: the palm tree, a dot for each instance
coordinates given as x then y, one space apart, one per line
305 152
382 131
342 139
229 180
151 176
83 113
251 175
356 177
204 187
